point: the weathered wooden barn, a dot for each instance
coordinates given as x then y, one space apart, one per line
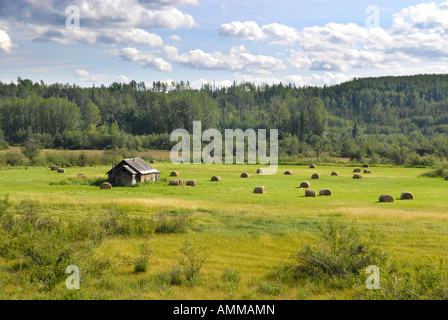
132 171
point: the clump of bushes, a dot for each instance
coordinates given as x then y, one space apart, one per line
440 171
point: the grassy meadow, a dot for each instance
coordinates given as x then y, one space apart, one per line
246 235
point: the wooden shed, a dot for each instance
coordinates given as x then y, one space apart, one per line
132 171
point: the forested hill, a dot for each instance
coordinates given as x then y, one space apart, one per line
401 119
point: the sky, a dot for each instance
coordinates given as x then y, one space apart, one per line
314 42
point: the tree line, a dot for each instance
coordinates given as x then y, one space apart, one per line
403 120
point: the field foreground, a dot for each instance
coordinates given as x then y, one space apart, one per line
246 235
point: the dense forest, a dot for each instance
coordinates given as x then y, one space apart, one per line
400 120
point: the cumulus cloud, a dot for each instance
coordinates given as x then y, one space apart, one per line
85 76
146 59
175 37
248 30
6 43
238 59
418 34
102 21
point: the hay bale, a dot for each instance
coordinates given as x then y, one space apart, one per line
288 173
315 176
386 198
365 165
259 171
312 166
305 184
325 192
106 186
335 173
261 189
216 178
177 182
61 170
152 161
356 170
357 176
174 174
367 171
55 168
192 183
407 196
245 175
310 193
81 175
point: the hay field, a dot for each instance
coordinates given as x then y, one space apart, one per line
247 232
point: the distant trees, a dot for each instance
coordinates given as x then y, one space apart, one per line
403 119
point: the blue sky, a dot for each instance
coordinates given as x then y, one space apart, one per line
301 42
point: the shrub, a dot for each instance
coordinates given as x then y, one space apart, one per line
440 171
231 276
270 289
341 251
142 263
176 223
194 256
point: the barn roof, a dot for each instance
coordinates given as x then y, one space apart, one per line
136 166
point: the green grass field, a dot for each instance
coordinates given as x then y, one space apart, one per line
246 232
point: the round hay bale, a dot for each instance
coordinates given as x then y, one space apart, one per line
288 173
261 189
367 171
192 183
81 175
325 192
106 186
152 161
61 170
386 198
174 174
335 173
55 168
365 165
305 184
310 193
356 170
245 175
357 176
216 178
177 182
315 176
312 166
259 171
407 196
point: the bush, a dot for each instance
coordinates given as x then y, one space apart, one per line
341 251
194 256
175 223
142 263
440 171
231 276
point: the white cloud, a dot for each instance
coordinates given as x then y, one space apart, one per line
248 30
175 37
238 59
6 43
85 76
103 22
146 59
